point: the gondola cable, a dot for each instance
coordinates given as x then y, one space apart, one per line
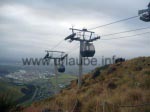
126 36
113 22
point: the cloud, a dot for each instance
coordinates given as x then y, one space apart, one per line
28 27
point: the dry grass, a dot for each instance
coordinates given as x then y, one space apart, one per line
127 83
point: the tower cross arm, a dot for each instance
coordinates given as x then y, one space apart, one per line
93 39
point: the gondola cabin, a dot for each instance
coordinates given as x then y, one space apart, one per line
145 17
61 68
145 14
87 49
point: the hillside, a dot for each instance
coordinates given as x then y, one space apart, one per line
121 87
8 87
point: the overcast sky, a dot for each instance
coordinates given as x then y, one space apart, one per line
29 27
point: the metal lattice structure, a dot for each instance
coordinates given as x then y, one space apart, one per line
87 49
58 60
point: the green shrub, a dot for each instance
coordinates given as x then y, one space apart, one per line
6 102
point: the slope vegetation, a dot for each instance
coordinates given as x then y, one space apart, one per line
121 87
